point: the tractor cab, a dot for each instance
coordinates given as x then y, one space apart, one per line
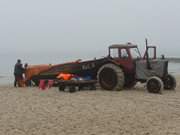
125 55
124 51
131 52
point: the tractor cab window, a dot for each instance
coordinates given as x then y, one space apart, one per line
123 53
135 53
119 53
114 53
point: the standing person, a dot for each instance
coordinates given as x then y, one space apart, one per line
18 73
27 82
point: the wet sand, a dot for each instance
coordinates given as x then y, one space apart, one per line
29 111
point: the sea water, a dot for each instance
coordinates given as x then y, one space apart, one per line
174 68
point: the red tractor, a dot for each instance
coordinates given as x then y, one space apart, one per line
135 68
122 68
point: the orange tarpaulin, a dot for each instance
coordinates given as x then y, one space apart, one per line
65 76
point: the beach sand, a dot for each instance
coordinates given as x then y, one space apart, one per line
29 111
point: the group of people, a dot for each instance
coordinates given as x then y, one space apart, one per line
19 71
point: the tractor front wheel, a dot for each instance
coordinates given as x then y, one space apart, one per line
154 85
169 82
111 77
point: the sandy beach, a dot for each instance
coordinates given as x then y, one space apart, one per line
29 111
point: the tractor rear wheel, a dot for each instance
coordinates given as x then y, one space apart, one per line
169 82
111 77
154 85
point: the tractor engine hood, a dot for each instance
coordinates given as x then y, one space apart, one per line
158 68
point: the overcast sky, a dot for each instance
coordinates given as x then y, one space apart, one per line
77 28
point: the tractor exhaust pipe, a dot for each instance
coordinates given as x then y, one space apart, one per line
147 56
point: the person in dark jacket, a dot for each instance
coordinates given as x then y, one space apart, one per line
18 73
